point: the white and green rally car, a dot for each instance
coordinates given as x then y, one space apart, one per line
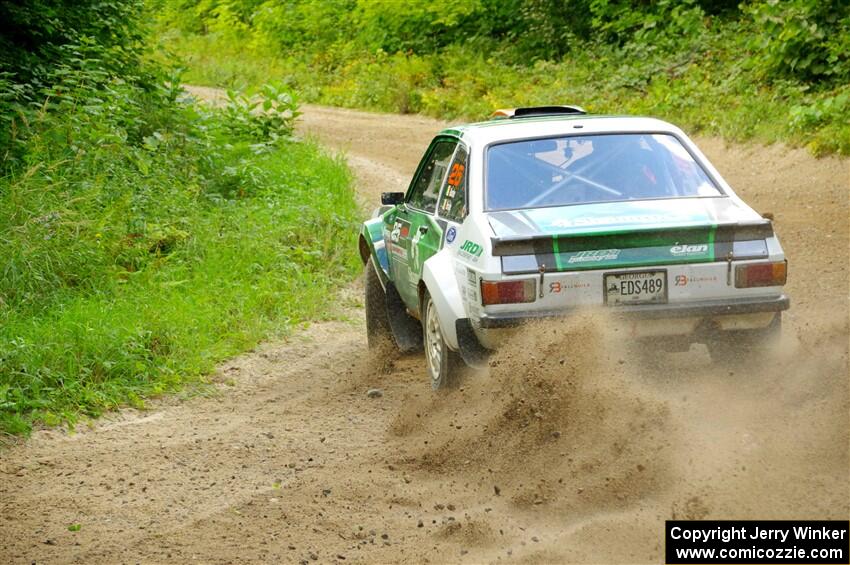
545 210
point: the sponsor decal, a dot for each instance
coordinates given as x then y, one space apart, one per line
451 234
415 266
595 256
383 260
398 251
556 287
606 220
472 248
446 204
685 280
685 250
401 230
472 281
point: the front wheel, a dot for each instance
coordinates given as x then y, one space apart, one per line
443 363
378 334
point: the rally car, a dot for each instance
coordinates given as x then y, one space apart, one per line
542 211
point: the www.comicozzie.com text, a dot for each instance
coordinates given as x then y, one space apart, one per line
743 532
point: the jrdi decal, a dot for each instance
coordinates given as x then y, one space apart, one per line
471 248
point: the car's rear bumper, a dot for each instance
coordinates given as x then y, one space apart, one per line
702 309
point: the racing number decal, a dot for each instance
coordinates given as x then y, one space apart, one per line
456 176
453 182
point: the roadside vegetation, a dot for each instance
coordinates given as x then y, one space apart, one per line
767 70
143 237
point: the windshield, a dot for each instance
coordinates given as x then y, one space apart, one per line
592 168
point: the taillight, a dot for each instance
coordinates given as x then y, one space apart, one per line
761 274
507 292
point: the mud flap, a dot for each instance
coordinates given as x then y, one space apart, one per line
471 351
406 330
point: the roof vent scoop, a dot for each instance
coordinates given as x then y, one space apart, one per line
537 111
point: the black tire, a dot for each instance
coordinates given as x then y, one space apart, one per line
443 364
739 346
378 334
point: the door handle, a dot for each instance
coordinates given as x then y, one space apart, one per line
423 229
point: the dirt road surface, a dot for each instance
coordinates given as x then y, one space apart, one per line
569 449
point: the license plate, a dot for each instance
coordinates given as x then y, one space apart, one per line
636 287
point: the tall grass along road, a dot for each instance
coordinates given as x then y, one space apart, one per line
144 238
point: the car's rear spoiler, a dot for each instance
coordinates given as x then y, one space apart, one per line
722 236
633 248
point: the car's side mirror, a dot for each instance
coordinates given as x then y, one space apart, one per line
392 198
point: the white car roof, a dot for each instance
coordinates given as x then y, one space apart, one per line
485 133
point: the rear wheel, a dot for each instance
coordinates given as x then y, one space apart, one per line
737 346
443 363
378 334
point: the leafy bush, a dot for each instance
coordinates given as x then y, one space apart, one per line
803 39
757 70
35 33
265 119
143 237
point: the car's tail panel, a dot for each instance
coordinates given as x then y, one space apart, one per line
552 240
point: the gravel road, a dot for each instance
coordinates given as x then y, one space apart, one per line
569 449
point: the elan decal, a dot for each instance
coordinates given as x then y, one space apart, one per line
680 250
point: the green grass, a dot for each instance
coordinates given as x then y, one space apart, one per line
131 270
716 93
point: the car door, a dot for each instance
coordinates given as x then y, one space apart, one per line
416 233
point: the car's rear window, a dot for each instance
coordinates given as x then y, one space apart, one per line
592 168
